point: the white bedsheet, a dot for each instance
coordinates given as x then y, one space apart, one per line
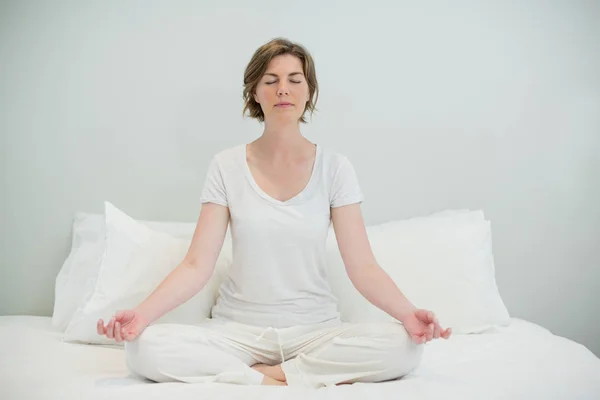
522 361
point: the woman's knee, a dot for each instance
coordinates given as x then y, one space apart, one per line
174 352
397 353
404 355
140 356
392 344
145 354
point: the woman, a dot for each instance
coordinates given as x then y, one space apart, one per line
276 321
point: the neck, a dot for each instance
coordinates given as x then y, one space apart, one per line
282 140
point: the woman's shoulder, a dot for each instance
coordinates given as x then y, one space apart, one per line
231 152
228 160
333 159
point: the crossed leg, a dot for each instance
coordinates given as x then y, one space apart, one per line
351 353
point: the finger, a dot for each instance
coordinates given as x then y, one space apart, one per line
429 332
437 330
99 327
447 333
118 336
430 316
444 334
110 328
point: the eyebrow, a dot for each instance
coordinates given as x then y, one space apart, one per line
277 76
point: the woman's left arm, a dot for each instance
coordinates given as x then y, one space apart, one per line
362 268
372 281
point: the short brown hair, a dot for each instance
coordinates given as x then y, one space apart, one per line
258 66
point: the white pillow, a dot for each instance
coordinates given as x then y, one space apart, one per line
443 263
135 260
184 230
83 261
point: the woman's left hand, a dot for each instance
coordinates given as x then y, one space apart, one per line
423 326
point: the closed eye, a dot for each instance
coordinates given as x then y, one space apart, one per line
270 83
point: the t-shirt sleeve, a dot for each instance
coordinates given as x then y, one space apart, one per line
345 188
214 186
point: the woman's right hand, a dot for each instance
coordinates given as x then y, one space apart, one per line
126 325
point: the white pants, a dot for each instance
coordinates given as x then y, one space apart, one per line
313 355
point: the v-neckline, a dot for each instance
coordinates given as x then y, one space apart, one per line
292 200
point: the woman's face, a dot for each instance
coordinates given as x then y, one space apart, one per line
283 92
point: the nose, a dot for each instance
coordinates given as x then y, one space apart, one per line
282 90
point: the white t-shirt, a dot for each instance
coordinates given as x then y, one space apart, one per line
277 277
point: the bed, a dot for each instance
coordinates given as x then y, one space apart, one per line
442 262
519 361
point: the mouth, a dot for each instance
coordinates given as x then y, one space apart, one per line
283 104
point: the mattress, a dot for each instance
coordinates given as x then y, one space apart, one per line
520 361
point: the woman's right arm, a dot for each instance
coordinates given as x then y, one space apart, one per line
189 277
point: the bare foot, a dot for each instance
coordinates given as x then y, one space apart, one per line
272 371
268 381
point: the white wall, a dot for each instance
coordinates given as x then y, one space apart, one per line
482 105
